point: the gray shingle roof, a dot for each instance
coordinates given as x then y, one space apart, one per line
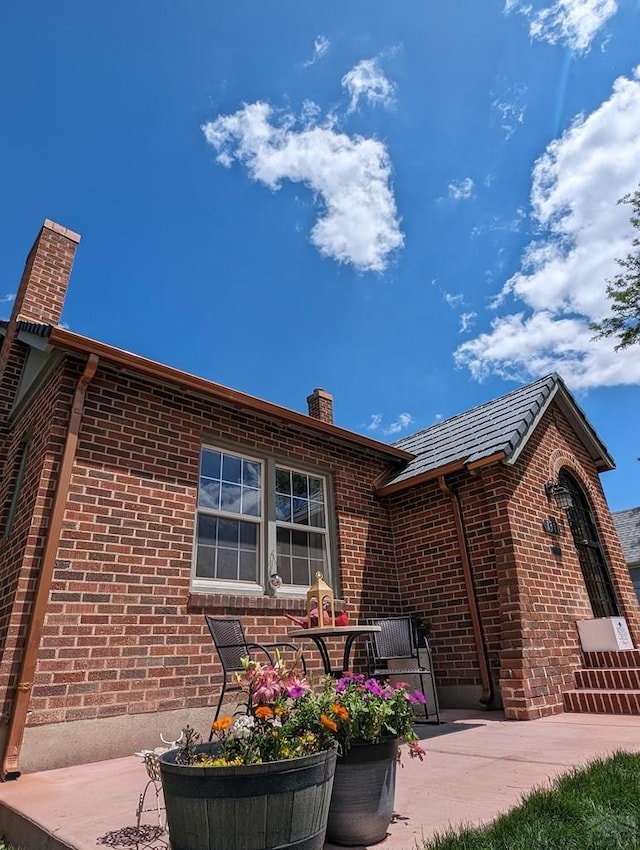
628 527
502 425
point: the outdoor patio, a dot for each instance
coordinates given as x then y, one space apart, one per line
478 765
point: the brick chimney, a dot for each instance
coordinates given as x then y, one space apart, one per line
321 405
40 298
46 275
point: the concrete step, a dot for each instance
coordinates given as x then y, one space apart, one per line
600 701
625 678
621 658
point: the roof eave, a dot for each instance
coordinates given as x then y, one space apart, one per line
433 474
78 344
578 421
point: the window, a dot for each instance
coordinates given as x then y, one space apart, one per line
595 570
301 522
256 518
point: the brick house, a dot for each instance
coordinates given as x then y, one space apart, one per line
135 498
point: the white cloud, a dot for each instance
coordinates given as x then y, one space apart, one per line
8 298
320 46
466 321
367 80
403 421
374 422
350 176
461 190
560 286
453 299
510 109
573 23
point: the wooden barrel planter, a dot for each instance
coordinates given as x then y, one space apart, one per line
281 804
364 791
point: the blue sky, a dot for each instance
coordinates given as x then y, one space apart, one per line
412 205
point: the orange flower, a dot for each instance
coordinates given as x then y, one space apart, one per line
329 724
263 711
339 711
222 723
278 710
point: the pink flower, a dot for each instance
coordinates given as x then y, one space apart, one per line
296 687
266 686
416 751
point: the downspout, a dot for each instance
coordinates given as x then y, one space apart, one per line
22 695
487 685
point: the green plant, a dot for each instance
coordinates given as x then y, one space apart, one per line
361 709
593 808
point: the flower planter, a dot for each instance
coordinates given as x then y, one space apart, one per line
280 804
363 794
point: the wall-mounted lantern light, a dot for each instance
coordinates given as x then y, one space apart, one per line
560 494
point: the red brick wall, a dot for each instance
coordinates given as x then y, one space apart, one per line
44 423
123 634
432 578
546 593
529 599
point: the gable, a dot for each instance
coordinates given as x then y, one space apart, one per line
496 431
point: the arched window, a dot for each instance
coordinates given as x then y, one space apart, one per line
592 562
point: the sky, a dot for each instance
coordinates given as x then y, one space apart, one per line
412 205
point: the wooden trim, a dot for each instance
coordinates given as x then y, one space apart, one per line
431 475
485 461
84 345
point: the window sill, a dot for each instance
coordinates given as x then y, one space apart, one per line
199 602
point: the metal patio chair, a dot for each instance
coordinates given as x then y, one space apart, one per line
232 646
397 642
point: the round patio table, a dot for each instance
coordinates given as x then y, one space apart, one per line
322 633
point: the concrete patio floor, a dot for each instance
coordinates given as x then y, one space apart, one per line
478 765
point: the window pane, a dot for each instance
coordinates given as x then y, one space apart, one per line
301 511
283 508
316 515
283 537
283 481
231 469
227 532
299 540
316 490
248 535
227 564
300 487
284 568
209 494
250 502
210 464
251 473
248 566
301 571
206 562
316 545
231 498
207 527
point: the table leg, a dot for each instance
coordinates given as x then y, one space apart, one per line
324 654
346 659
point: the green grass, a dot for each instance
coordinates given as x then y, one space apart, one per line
595 808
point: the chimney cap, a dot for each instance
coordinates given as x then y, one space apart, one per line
63 231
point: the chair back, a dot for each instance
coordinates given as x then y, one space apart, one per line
229 641
396 638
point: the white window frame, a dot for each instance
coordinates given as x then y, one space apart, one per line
268 525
